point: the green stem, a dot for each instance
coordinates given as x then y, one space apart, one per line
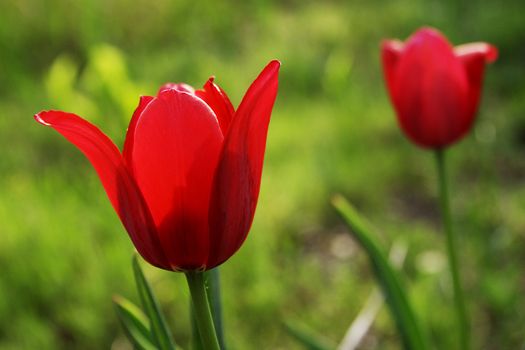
202 310
214 298
459 300
196 342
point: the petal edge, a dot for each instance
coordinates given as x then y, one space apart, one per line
116 180
238 176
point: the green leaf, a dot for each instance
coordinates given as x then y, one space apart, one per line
307 337
364 320
214 299
395 295
159 330
135 323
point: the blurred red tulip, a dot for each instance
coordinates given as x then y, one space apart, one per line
435 88
187 182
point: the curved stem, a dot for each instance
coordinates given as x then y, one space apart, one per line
202 310
459 300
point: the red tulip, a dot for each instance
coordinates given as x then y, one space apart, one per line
186 184
435 88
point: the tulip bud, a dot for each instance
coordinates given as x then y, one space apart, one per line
435 88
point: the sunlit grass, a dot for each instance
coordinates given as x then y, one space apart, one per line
64 253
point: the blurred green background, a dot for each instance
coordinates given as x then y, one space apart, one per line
64 253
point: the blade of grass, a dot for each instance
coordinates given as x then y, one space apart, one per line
159 329
307 337
394 293
364 320
362 323
134 322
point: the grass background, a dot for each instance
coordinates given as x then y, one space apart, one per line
63 252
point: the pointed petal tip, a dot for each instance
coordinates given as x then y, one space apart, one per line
171 94
428 31
48 117
428 36
490 52
392 45
165 93
271 69
38 117
275 64
144 98
176 86
423 34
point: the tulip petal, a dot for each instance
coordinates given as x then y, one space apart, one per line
238 176
128 144
113 173
217 99
176 145
177 86
474 57
488 52
390 53
430 91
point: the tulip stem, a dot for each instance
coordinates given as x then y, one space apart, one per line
201 307
459 300
213 281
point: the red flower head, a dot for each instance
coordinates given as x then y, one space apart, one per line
187 182
435 88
